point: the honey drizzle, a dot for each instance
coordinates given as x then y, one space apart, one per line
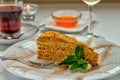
89 41
105 55
60 70
9 64
33 39
106 52
27 69
103 46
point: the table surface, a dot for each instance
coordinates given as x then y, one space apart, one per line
107 24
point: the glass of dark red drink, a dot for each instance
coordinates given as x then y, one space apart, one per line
10 19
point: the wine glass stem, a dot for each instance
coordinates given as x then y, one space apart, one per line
90 21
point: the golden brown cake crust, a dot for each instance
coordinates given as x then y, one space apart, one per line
56 47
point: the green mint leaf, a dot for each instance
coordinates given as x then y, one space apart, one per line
83 64
79 51
81 61
69 60
74 67
75 58
80 65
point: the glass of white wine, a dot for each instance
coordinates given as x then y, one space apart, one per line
90 4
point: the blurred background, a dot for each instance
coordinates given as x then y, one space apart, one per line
65 1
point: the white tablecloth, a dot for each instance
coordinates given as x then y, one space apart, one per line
107 25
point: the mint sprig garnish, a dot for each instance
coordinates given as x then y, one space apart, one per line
79 51
69 60
76 62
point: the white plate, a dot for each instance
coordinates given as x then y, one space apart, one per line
82 24
109 52
29 29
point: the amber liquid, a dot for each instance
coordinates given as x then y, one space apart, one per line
10 18
66 21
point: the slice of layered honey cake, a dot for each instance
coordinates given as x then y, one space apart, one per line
56 47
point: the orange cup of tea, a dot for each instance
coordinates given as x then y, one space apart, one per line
66 18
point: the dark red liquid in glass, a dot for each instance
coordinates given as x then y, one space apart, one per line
10 21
